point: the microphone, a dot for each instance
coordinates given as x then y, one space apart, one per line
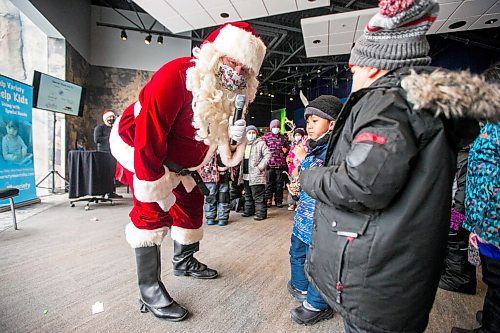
238 112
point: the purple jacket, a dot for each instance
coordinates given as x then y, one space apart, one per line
276 142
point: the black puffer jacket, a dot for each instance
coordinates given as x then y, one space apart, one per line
383 198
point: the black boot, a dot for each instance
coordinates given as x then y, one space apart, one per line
302 315
459 275
185 264
154 296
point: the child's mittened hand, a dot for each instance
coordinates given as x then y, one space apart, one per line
300 152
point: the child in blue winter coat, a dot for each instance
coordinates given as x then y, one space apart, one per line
320 116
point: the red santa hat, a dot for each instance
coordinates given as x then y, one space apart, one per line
239 41
106 114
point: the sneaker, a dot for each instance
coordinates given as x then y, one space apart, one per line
304 316
299 295
222 223
291 207
114 196
210 222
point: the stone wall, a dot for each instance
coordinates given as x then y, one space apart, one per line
107 88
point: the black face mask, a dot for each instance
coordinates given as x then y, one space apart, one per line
313 144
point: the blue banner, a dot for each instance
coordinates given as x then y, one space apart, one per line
16 151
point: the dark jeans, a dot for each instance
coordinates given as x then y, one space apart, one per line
275 182
298 254
491 307
217 205
254 200
350 328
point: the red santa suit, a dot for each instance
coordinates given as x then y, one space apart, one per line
158 128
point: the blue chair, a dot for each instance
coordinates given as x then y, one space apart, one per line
10 193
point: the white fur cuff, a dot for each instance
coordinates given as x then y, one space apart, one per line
231 159
123 153
186 236
155 190
144 238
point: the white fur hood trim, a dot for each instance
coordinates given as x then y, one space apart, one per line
453 95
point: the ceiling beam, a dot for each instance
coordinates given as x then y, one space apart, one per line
283 62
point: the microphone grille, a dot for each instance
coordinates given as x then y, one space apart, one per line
240 101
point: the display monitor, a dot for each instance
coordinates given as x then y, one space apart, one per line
56 95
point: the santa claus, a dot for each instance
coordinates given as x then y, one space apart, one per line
182 116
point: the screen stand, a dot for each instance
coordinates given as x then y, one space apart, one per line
53 172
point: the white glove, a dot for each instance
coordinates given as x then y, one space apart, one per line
237 131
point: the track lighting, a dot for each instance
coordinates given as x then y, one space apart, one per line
160 40
148 38
123 35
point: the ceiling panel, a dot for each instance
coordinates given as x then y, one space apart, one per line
341 38
445 1
175 24
155 6
435 27
448 25
494 9
213 3
446 9
472 8
317 51
316 41
339 49
314 28
198 19
216 13
280 6
306 4
183 6
358 34
343 24
250 9
365 16
486 21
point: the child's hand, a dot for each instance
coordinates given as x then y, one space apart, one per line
300 152
292 190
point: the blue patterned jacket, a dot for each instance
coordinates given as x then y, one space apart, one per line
303 221
482 196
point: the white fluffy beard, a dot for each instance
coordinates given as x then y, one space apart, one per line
213 106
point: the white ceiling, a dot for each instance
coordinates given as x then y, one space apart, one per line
186 15
336 33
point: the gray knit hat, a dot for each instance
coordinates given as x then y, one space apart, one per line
325 106
395 37
251 128
274 123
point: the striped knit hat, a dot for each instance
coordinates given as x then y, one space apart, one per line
395 37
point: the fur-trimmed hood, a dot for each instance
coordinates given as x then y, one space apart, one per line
453 94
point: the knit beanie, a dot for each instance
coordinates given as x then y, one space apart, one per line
395 37
325 106
251 128
299 131
274 123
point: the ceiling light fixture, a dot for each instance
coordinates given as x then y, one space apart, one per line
123 35
160 40
224 15
491 21
457 25
316 41
291 98
148 38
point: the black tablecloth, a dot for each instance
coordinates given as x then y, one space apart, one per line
90 173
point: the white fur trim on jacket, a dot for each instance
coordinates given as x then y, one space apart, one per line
123 152
242 46
155 190
166 204
231 159
186 236
144 238
137 108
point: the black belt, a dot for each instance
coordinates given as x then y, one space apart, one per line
185 172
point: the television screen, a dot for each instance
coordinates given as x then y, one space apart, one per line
53 94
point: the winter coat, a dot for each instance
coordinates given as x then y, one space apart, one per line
215 171
482 198
276 143
383 198
458 209
257 163
303 220
101 137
